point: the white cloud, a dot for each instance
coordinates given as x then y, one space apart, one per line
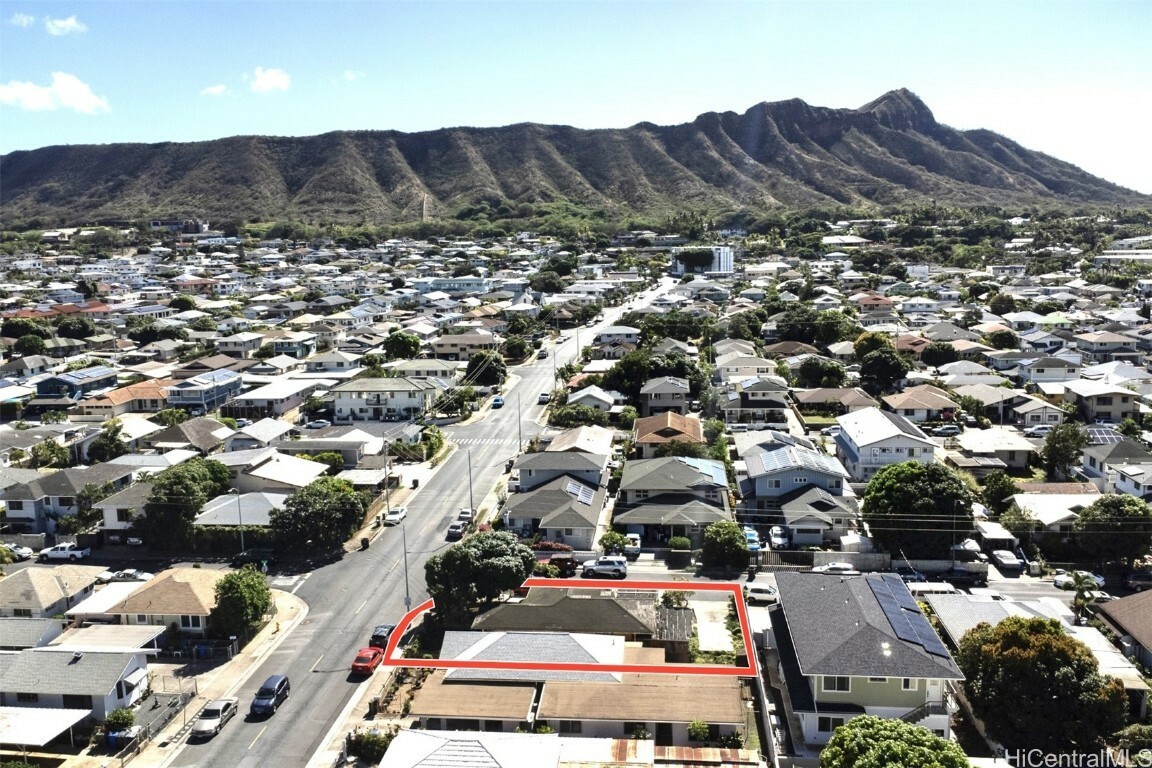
66 92
22 20
265 80
352 74
214 90
64 26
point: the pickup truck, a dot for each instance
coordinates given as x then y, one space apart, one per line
65 552
632 548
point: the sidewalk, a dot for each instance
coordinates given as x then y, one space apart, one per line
217 683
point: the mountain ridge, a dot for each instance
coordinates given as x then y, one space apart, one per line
890 151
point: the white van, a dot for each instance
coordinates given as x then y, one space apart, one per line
760 593
918 588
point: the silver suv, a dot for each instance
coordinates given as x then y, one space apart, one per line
611 566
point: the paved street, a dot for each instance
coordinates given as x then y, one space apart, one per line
347 598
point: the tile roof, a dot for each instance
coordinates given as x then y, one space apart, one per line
176 591
668 426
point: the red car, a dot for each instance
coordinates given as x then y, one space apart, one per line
367 659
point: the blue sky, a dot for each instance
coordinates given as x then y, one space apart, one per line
1073 79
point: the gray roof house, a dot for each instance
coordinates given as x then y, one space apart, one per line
564 509
666 393
855 646
16 634
95 681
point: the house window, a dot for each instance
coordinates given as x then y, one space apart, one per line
641 495
141 618
799 480
631 728
1103 401
190 622
493 726
67 501
77 701
22 613
28 698
15 506
774 483
910 684
841 684
570 726
123 515
829 724
877 679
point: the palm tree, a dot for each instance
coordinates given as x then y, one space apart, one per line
1085 586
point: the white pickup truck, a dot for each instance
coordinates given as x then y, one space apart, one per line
68 551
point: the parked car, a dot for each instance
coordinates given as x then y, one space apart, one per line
1038 430
465 513
909 574
1099 596
760 593
271 695
318 424
843 569
753 538
1138 581
962 577
18 552
831 431
254 556
381 634
778 537
632 548
611 566
366 661
1068 580
566 563
456 530
66 551
395 515
497 402
1006 561
241 423
542 354
128 574
947 430
544 398
213 717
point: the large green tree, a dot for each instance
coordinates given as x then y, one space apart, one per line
820 372
76 328
868 741
321 516
401 346
870 341
1115 527
178 496
49 453
1003 339
28 345
1062 449
798 323
1036 687
242 599
480 567
17 327
108 444
725 545
832 325
939 353
882 369
997 489
917 510
181 303
486 369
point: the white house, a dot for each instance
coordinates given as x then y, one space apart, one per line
870 439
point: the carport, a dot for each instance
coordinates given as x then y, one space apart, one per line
24 727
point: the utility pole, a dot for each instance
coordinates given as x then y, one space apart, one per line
519 420
471 501
240 516
404 544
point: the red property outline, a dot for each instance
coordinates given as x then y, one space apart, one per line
749 670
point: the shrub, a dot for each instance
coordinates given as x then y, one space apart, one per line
371 745
698 730
120 719
545 570
551 546
680 542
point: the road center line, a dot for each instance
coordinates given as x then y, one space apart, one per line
361 606
316 664
257 737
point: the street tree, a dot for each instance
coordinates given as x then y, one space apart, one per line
321 516
820 372
53 417
832 326
997 491
939 353
18 327
882 369
1062 449
242 599
613 542
681 448
916 510
486 369
516 347
870 341
1036 687
401 346
49 453
480 567
868 741
725 545
798 323
1115 526
108 444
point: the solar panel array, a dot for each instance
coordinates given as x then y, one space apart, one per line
582 492
1101 435
904 614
